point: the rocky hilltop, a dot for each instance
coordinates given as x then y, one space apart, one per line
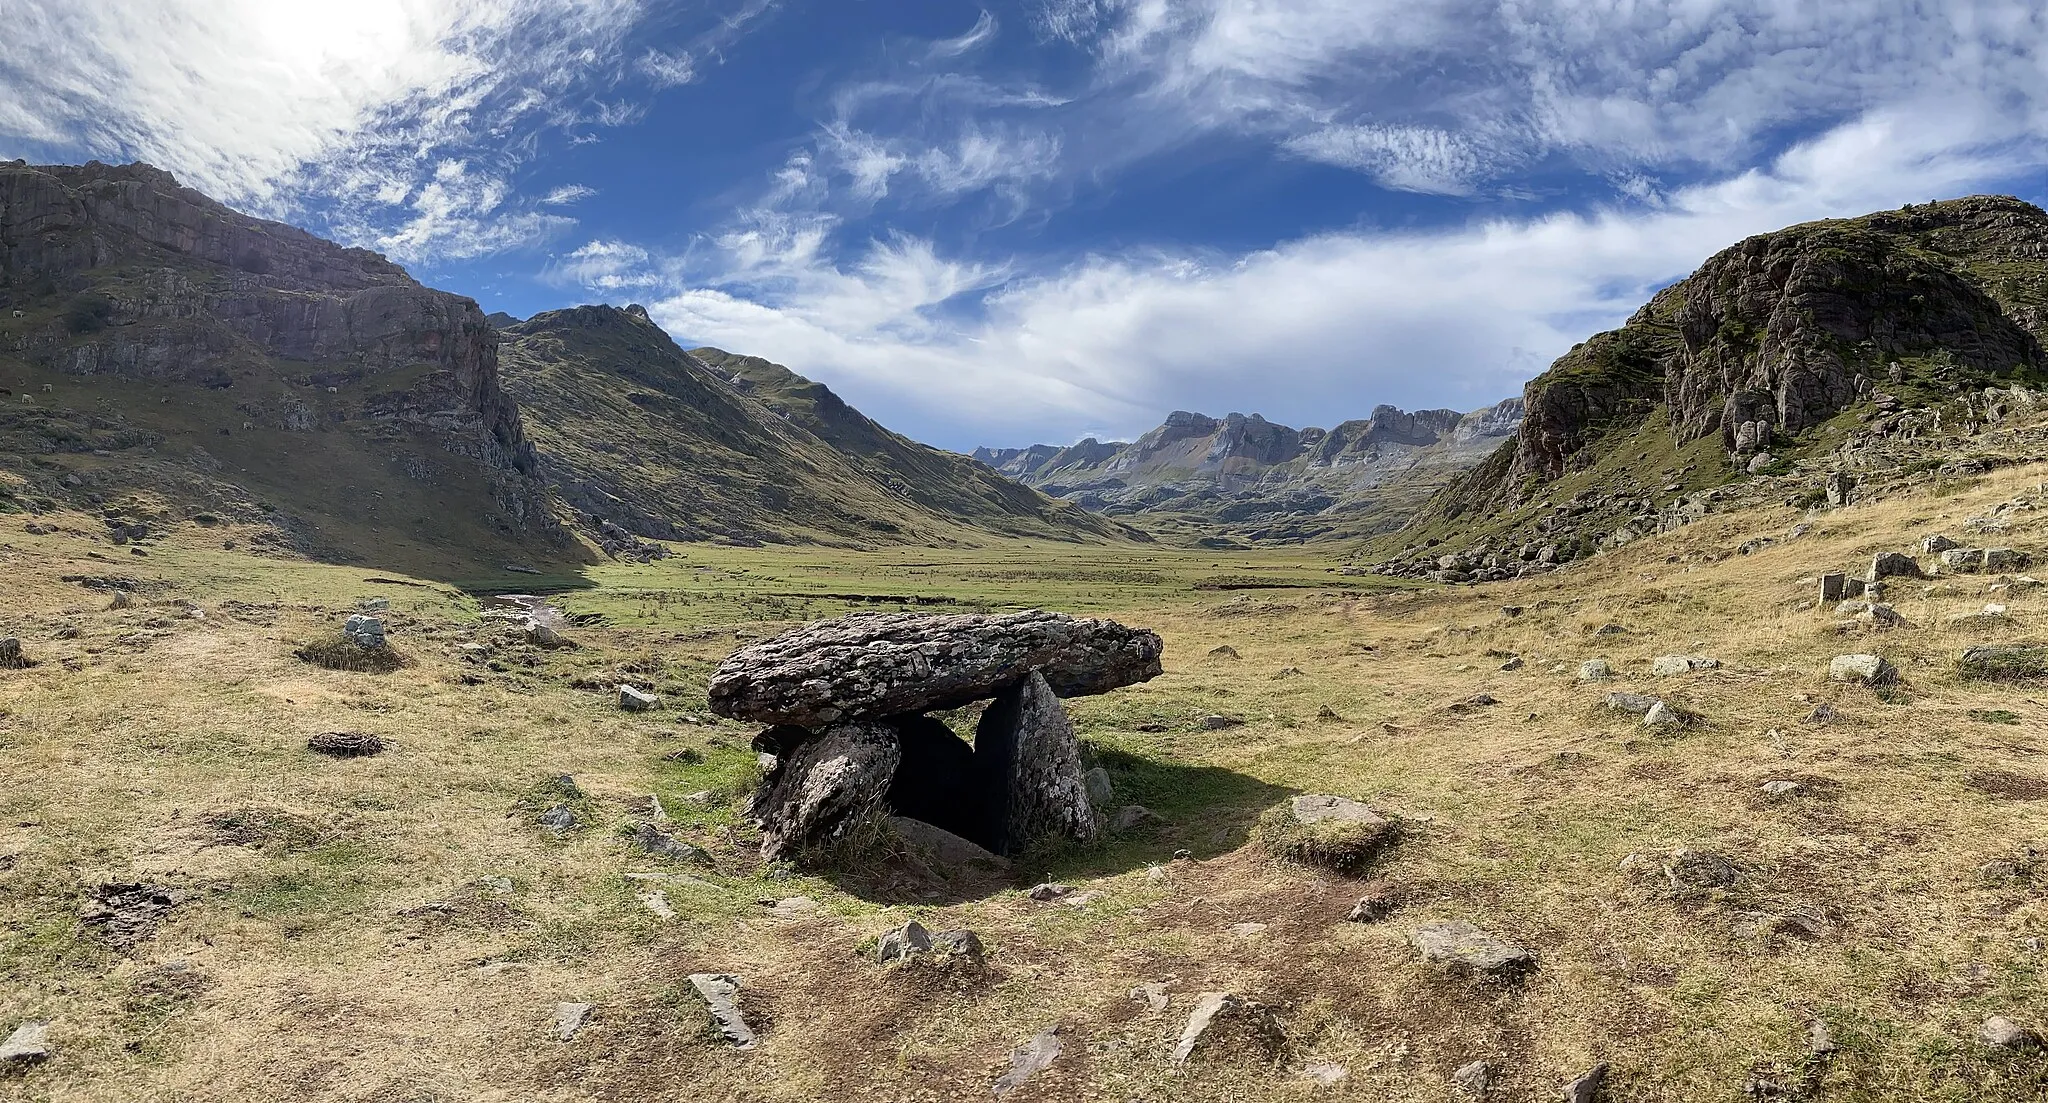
642 439
1798 365
1243 477
159 340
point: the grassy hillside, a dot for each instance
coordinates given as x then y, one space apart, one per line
942 482
638 432
399 926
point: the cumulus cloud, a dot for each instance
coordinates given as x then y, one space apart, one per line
1311 331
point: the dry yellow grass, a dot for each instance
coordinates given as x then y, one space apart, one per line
407 932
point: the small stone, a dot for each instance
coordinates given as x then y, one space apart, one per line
542 635
1475 1077
1218 723
366 631
1223 651
635 700
1248 930
1325 1074
1935 545
1153 994
28 1045
570 1018
1594 670
1096 781
1635 704
1081 899
1131 817
794 907
1586 1089
1374 906
960 944
720 992
1468 951
904 942
1781 788
374 604
1032 1057
1514 663
1864 669
1216 1010
1999 1032
1822 714
661 844
1820 1041
559 819
1663 716
1665 666
122 600
1051 890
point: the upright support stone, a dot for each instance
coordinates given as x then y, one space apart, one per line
1028 769
826 786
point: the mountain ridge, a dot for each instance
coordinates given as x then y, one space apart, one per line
1262 481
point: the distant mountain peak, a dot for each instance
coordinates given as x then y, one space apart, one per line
1265 479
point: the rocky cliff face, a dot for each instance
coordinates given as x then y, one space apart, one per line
1242 476
1809 347
124 282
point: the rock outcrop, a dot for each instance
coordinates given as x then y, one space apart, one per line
1893 340
851 744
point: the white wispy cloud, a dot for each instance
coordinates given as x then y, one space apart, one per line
345 112
567 194
1310 331
1404 158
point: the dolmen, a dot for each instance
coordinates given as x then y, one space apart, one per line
848 705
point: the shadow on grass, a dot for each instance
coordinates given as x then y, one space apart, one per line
1204 810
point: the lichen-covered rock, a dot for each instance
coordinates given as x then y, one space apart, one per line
1337 833
1871 670
1466 950
1028 770
828 786
866 667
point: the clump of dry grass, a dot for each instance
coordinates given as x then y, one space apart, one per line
336 651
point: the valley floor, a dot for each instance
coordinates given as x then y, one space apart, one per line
400 928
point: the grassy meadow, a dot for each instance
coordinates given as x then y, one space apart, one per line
399 928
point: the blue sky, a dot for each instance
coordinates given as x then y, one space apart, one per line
1015 222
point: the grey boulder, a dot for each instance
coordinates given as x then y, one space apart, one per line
828 785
